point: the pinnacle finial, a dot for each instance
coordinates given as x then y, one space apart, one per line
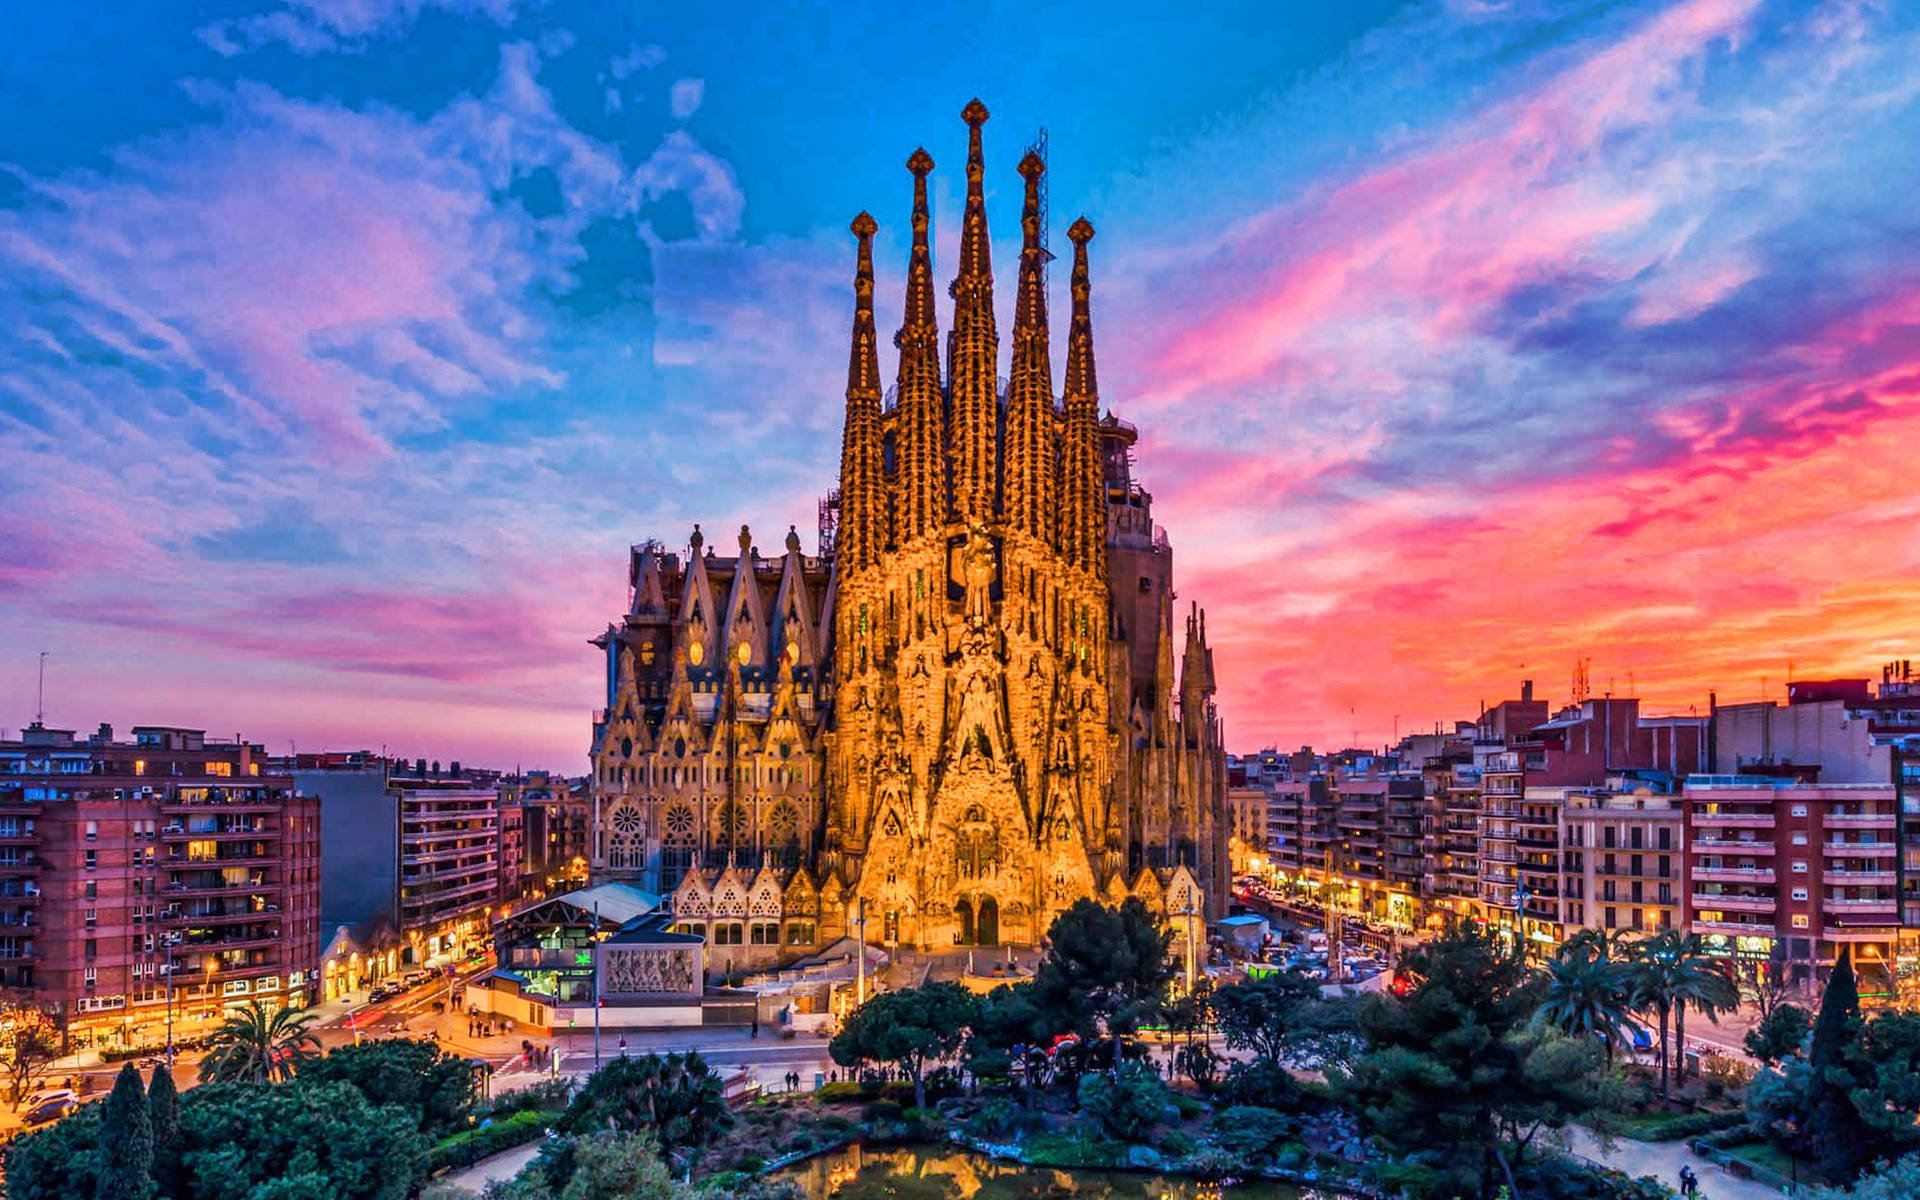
975 113
864 226
1080 232
1032 166
920 162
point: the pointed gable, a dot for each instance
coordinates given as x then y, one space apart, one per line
793 628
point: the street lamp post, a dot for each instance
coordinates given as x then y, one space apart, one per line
170 940
860 972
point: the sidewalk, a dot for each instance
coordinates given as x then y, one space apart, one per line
1663 1161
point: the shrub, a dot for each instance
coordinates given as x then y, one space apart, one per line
882 1110
1254 1134
1176 1143
1689 1125
549 1096
469 1146
998 1118
1126 1102
1073 1149
1722 1074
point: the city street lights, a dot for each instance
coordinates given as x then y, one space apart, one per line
212 963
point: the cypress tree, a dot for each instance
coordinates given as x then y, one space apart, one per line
126 1141
163 1112
1834 1130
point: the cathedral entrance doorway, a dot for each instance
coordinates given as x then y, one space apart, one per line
963 913
988 926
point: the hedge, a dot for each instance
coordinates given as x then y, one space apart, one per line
1688 1125
469 1146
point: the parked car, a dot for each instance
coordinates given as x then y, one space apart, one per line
49 1096
47 1113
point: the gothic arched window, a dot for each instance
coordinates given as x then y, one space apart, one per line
677 846
626 846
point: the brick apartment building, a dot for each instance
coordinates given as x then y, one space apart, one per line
1811 867
124 864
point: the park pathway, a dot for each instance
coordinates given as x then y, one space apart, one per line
1663 1160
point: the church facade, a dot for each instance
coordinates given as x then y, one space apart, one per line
971 706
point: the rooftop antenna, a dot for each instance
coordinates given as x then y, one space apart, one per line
1582 681
40 699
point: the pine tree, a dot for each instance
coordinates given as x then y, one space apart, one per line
126 1141
1834 1130
163 1111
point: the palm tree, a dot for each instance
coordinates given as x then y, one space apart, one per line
255 1045
1654 982
1588 990
1704 981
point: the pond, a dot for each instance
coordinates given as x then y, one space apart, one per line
943 1173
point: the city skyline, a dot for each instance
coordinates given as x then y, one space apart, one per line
351 344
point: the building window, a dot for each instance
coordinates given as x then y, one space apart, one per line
728 933
93 831
93 889
1612 918
1799 893
93 860
1799 920
93 952
91 975
1799 810
91 917
799 933
1799 837
1799 866
1666 838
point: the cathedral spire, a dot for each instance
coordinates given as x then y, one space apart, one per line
1086 505
974 346
1030 460
922 468
863 515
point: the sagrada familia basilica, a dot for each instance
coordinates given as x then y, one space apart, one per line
963 713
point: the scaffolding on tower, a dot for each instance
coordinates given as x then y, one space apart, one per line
1039 146
829 521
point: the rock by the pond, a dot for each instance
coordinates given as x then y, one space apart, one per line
1145 1158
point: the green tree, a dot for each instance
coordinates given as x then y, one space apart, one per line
418 1076
298 1140
1269 1017
126 1141
163 1113
1833 1128
29 1043
57 1162
1127 1102
677 1099
258 1044
1006 1019
606 1165
1780 1034
1887 1181
1457 1077
908 1028
1587 991
1885 1064
1106 969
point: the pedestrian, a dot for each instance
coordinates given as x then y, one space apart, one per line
623 1047
1689 1182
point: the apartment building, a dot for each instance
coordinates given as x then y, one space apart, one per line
165 880
1809 868
1624 859
449 857
557 817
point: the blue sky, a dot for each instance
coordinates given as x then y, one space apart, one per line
348 342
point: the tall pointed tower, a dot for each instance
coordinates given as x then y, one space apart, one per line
968 713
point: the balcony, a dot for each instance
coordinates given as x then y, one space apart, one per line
1735 928
1861 849
1727 820
1733 847
1733 874
1724 902
1858 821
1888 905
1861 878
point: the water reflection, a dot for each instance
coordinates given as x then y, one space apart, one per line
941 1173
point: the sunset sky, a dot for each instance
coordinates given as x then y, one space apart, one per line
346 344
